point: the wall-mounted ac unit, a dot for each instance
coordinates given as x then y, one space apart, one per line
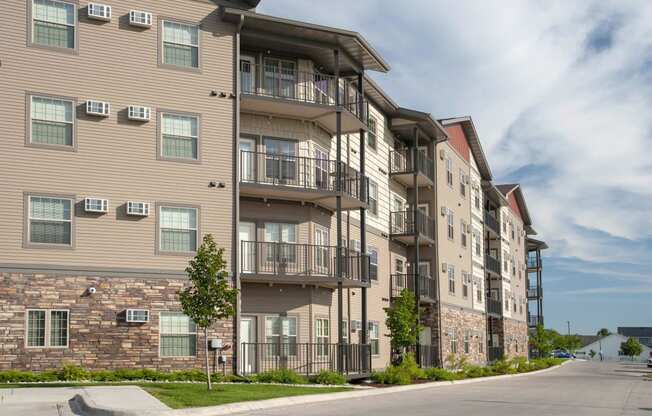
92 204
444 211
356 325
137 208
140 18
442 154
137 315
444 267
468 228
139 113
98 108
98 11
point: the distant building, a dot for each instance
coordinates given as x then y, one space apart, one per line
642 333
610 347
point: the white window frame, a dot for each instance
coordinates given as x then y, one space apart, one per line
72 123
373 195
467 341
281 335
47 328
451 279
372 131
374 337
161 228
463 234
195 137
371 251
465 285
450 220
74 25
28 237
198 45
449 172
322 335
189 334
453 337
462 184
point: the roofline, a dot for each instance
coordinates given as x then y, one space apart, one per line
538 243
383 66
417 115
483 165
390 102
490 187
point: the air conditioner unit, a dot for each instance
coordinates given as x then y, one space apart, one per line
356 325
137 315
444 267
98 108
92 204
139 113
442 154
444 211
98 11
140 209
140 18
468 228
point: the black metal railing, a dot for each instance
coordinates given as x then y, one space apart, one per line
290 259
534 320
532 263
411 222
534 292
492 264
494 307
286 82
494 353
411 160
401 281
305 358
492 222
302 172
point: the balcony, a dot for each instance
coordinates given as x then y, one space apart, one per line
533 264
403 164
298 178
534 293
534 320
494 307
492 264
492 223
401 281
287 92
271 262
405 225
305 358
494 354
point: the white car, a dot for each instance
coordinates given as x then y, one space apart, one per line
649 363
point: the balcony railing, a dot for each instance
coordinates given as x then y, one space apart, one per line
302 86
492 264
409 223
534 320
289 259
410 161
492 222
533 264
494 353
401 281
305 358
533 292
494 307
302 172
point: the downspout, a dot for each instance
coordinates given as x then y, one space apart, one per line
338 210
415 223
236 195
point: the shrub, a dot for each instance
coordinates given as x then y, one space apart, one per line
329 377
474 371
234 378
441 374
503 367
71 372
521 365
283 376
392 375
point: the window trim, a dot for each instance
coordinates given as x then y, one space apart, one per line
372 120
159 135
29 95
372 212
157 239
161 42
451 279
450 224
196 333
48 328
26 221
325 345
30 29
370 324
280 335
448 161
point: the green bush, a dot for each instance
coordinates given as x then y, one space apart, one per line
283 376
329 377
502 367
404 373
474 371
441 374
234 378
71 372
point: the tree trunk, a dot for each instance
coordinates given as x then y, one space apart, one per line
208 368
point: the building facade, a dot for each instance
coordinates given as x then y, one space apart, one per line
132 133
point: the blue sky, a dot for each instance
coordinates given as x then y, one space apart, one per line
561 95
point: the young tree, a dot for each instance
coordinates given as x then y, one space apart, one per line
209 297
604 332
570 343
544 340
631 348
402 321
592 354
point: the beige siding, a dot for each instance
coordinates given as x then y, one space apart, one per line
116 158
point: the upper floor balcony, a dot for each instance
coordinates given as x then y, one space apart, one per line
494 307
405 163
534 292
492 222
534 320
405 225
273 262
533 263
278 88
299 178
401 281
492 264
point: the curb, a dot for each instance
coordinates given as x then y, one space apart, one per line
233 408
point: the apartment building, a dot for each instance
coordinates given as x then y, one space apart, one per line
133 131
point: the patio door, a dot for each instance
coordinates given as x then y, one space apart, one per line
280 78
281 161
424 270
321 168
322 257
247 74
247 240
248 343
247 159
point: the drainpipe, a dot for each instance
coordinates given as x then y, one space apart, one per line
363 213
415 224
338 209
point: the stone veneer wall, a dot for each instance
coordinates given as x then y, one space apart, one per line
98 339
515 336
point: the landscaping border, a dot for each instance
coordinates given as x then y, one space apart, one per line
228 409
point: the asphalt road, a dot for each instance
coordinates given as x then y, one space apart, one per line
579 388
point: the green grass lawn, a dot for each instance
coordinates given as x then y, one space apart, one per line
178 396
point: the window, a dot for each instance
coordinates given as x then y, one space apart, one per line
52 121
462 183
506 301
511 230
373 197
373 263
453 335
450 216
398 266
478 289
478 244
180 45
178 230
480 343
463 233
449 171
514 303
371 133
465 285
374 337
50 221
345 328
467 341
286 236
180 137
322 336
281 335
280 78
476 199
505 262
451 279
54 23
322 249
47 328
178 335
504 226
281 163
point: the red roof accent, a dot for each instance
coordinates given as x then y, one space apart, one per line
513 204
458 140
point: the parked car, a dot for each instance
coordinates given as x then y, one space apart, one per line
649 363
562 354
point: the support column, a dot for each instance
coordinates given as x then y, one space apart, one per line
415 213
338 213
364 338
